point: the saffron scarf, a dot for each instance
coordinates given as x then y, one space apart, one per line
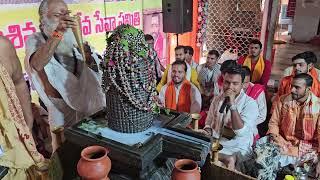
307 115
184 99
258 69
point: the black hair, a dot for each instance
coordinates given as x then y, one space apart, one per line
189 50
148 37
246 70
180 62
256 41
227 65
308 56
237 69
214 52
179 47
306 77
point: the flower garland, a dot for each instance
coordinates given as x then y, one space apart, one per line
129 67
202 21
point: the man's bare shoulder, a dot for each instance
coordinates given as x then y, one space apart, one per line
5 44
7 53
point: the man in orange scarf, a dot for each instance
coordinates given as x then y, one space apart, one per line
180 94
302 63
17 148
260 68
295 122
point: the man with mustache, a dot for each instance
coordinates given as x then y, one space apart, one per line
302 63
67 86
180 94
191 73
240 115
295 122
290 70
260 68
208 75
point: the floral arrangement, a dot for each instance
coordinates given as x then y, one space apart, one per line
129 67
202 21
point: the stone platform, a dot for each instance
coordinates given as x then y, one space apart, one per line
146 155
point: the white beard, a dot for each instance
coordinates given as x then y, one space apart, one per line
65 47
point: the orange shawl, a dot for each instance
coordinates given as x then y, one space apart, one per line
258 69
285 86
284 119
184 99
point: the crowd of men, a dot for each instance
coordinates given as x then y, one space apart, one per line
229 91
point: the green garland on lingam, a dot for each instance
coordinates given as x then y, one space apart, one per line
128 59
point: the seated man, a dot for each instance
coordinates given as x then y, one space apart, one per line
303 63
191 74
227 64
313 58
188 50
260 68
180 94
240 115
256 92
294 124
208 74
17 148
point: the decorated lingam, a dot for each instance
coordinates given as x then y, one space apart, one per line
129 80
142 138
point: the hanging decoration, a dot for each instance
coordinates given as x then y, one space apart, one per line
202 21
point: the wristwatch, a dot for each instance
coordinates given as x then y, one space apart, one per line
233 107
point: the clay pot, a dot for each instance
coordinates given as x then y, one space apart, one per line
185 169
94 163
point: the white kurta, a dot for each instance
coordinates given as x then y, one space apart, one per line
81 96
262 106
248 110
195 97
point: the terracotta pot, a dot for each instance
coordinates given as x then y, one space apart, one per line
94 163
185 169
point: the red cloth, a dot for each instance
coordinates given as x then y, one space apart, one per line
202 120
255 90
266 73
